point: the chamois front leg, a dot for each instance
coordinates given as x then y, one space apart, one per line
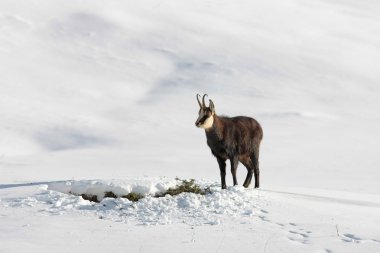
222 167
234 164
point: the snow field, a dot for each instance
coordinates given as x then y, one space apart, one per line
269 220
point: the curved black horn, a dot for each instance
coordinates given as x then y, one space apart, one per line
199 102
203 100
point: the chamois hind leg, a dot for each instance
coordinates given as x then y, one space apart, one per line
222 167
234 164
256 170
248 179
246 161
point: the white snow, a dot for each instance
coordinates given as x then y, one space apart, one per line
119 187
100 97
223 220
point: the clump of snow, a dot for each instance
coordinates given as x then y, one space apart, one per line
189 208
194 209
118 187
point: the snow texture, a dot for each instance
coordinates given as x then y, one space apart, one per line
189 208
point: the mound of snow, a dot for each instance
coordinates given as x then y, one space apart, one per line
189 208
118 187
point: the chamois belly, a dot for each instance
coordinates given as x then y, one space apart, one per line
218 149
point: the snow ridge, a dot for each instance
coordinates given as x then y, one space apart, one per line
188 208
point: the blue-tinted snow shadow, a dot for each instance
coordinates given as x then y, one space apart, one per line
85 27
190 74
194 74
6 186
62 138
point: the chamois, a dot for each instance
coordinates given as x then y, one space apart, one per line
235 138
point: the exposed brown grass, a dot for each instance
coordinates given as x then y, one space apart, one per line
184 186
133 196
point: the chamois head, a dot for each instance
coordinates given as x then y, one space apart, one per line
205 114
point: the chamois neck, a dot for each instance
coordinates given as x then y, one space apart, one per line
217 127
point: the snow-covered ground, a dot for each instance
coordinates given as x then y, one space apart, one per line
97 96
44 218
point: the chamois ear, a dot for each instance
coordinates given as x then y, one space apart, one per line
211 105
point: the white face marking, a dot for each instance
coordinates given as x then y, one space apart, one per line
208 123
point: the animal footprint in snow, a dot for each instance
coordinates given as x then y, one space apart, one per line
356 239
298 234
